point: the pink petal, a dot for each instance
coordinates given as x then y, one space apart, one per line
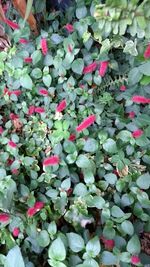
44 46
53 160
28 59
16 232
61 106
69 27
12 144
86 123
12 24
140 99
23 41
90 68
135 259
39 110
103 68
123 88
138 133
147 52
43 91
4 218
39 205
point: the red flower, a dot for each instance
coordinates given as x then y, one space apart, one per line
16 232
38 205
10 161
116 172
108 243
31 110
69 48
72 137
147 52
131 114
103 68
90 68
6 91
43 91
123 88
44 46
28 59
135 259
86 123
138 133
31 211
61 106
16 92
4 218
53 160
23 41
69 28
39 110
15 171
140 99
12 144
1 130
13 116
12 24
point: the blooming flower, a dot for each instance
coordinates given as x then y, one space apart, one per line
31 110
135 259
90 68
137 133
108 243
12 144
61 106
31 211
12 24
123 88
23 41
15 171
16 92
131 114
38 205
1 129
4 218
72 137
16 232
39 110
44 46
140 99
147 52
28 59
13 116
53 160
103 68
43 91
86 123
69 28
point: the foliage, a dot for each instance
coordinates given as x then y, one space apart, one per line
88 203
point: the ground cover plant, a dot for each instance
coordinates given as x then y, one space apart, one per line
75 138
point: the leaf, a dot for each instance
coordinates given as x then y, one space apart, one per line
36 57
111 178
134 76
52 228
127 227
91 145
69 147
14 258
110 146
134 246
125 136
43 239
145 68
57 250
2 173
93 247
81 12
108 258
78 65
144 181
83 162
26 82
76 242
116 212
47 79
80 190
88 176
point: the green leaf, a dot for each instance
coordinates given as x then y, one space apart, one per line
117 212
93 247
36 57
88 176
57 250
127 227
109 258
80 190
145 68
76 242
125 136
134 246
36 73
144 181
47 79
110 146
26 81
81 12
14 258
69 147
2 173
111 178
28 161
52 228
134 76
90 145
43 239
78 65
83 162
95 202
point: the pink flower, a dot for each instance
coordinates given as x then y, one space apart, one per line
108 243
90 68
16 92
137 133
69 48
135 259
44 46
38 205
86 123
15 171
13 116
72 137
103 68
61 106
147 52
131 114
23 41
1 130
39 110
16 232
4 218
31 211
43 91
140 99
31 110
53 160
6 91
28 59
69 28
123 88
12 144
12 24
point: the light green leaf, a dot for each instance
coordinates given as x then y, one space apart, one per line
110 146
14 258
47 79
43 239
57 250
144 181
127 227
93 247
76 242
26 81
78 65
134 246
83 162
109 258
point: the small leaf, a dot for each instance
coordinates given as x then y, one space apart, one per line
14 258
127 227
57 250
110 146
83 162
134 246
109 258
144 181
78 65
43 239
76 242
26 81
93 247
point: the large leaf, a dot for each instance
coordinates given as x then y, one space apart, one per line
134 245
76 242
57 250
14 258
